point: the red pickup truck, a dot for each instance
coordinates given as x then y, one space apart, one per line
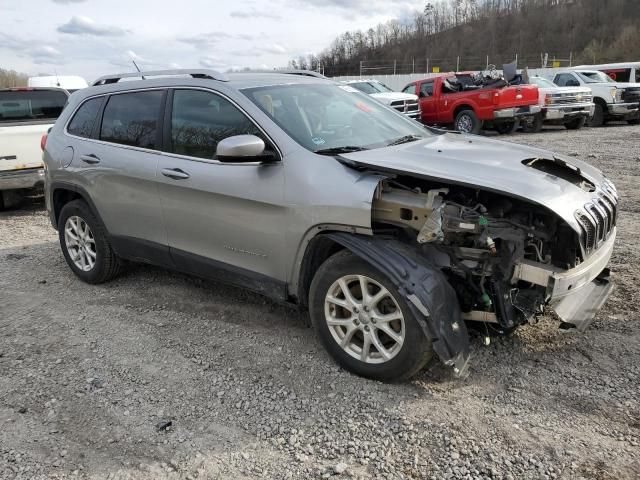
461 101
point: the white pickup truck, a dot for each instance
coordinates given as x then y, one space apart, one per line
406 103
568 106
26 114
613 100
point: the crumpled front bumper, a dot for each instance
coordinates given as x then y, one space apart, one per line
576 295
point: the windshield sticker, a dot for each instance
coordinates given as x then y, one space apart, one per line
349 89
318 140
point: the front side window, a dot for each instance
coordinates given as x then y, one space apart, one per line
542 82
566 80
27 105
328 116
132 119
199 120
83 121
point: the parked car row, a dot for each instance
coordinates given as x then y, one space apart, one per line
468 102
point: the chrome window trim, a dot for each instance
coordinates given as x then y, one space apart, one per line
171 154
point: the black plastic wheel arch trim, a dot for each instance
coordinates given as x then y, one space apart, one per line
430 298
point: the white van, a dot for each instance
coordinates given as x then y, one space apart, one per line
70 83
620 72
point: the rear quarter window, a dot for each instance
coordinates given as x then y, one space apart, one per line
25 105
84 119
132 119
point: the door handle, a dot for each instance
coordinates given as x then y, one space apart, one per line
175 173
91 159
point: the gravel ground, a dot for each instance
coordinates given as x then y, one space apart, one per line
157 375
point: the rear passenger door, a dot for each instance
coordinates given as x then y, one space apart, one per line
118 167
219 215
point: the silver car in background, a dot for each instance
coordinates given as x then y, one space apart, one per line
395 237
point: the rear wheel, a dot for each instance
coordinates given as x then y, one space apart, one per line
634 121
504 128
576 123
533 124
598 116
467 122
85 244
364 322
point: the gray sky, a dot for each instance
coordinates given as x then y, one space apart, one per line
95 37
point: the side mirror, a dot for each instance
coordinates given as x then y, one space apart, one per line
242 148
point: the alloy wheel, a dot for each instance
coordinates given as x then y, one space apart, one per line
465 124
80 243
364 319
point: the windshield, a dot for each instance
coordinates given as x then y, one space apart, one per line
370 87
542 82
595 77
21 105
328 116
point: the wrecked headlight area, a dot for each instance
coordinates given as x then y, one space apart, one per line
477 239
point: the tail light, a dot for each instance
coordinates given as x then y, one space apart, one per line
496 98
43 142
547 99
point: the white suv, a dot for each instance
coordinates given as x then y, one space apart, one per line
406 103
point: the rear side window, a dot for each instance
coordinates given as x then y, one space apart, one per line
199 120
85 118
132 119
25 105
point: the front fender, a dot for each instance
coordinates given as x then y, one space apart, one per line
431 299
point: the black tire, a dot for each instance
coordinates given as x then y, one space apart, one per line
533 125
505 128
576 123
415 351
467 121
634 121
107 264
598 116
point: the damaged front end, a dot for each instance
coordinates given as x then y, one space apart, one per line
504 258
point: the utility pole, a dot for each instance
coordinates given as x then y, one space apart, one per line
458 64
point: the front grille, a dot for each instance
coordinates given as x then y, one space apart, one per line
569 98
598 219
631 95
408 107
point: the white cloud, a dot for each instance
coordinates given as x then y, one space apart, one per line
79 25
66 2
255 13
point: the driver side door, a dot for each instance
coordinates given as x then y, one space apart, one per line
428 103
223 220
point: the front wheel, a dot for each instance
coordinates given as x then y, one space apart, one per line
504 128
533 124
364 322
467 122
598 116
576 123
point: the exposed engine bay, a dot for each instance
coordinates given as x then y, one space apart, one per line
477 238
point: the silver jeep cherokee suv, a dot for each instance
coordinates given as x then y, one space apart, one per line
395 237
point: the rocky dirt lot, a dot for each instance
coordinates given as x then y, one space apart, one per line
161 376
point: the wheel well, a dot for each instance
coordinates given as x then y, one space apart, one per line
460 108
61 197
320 248
601 102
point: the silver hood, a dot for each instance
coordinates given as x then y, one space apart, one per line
486 164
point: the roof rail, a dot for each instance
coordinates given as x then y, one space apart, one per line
210 74
289 71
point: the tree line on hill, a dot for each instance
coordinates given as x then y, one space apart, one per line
11 78
468 32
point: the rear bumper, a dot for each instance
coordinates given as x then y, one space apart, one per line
560 112
516 112
21 179
621 109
